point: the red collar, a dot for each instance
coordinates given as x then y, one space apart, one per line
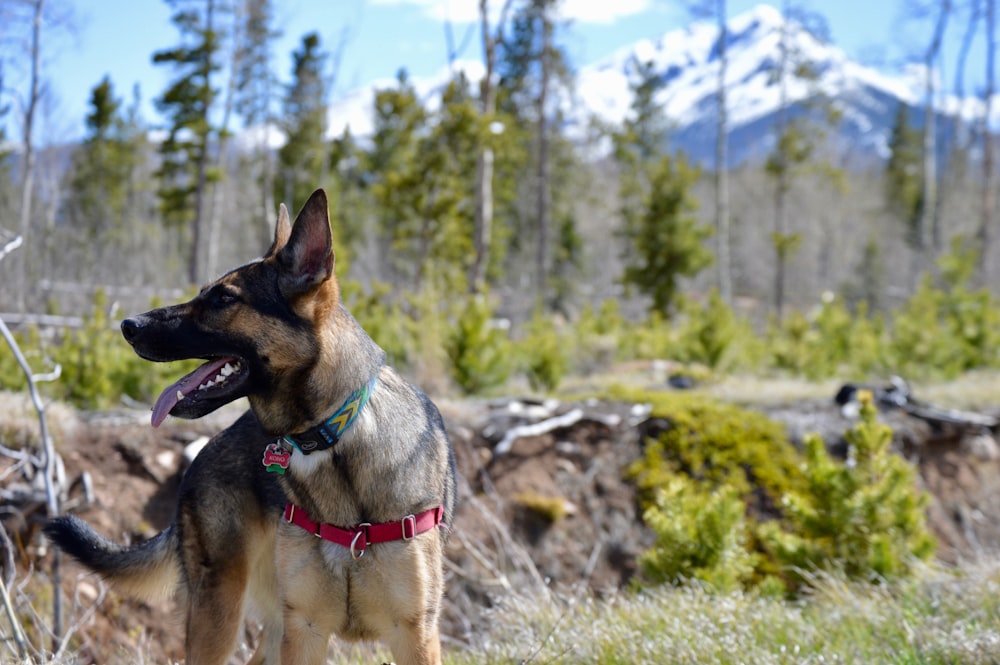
357 538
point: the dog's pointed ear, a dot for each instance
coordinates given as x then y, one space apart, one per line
306 260
282 229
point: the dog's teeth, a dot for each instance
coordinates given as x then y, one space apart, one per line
227 370
180 395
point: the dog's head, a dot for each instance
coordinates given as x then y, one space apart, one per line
255 325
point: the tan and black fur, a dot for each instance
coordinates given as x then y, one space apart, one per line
299 355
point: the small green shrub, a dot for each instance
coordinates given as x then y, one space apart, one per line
865 518
381 317
480 352
600 337
716 473
942 332
713 335
544 353
921 345
717 444
653 338
11 376
700 534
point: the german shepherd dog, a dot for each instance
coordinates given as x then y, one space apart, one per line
318 510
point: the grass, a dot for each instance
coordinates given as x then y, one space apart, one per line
941 616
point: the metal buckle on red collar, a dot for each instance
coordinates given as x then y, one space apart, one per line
358 552
412 521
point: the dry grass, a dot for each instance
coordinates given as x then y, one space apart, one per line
940 617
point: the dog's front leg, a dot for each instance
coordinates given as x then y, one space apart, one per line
305 642
308 627
415 645
215 614
308 598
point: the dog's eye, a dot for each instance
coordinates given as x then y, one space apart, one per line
223 296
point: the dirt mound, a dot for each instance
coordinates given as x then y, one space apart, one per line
549 512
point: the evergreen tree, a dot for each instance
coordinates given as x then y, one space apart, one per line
108 196
640 143
668 241
101 180
349 188
796 136
255 83
422 162
864 518
186 171
663 239
903 197
302 161
400 120
534 75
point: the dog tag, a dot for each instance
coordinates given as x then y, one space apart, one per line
276 458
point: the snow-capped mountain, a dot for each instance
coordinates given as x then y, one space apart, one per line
687 59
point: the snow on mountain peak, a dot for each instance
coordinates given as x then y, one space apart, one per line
687 60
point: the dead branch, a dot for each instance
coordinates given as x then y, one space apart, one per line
54 474
5 579
536 429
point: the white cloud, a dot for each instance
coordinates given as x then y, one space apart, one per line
601 11
581 11
456 11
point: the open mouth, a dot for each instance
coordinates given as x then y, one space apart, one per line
215 379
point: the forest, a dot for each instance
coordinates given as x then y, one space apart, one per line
482 191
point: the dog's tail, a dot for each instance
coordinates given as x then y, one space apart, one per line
146 570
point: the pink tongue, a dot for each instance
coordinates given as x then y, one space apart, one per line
168 398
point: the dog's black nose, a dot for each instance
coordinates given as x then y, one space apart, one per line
130 328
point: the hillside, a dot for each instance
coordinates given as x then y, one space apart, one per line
505 544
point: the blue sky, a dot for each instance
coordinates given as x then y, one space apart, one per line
117 38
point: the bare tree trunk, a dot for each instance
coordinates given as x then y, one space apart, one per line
542 174
722 164
987 202
483 230
954 171
929 222
28 163
959 132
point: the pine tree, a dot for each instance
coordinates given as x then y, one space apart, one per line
796 137
101 180
534 74
255 84
423 161
639 143
350 189
303 159
186 169
664 241
864 518
902 175
667 240
400 119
